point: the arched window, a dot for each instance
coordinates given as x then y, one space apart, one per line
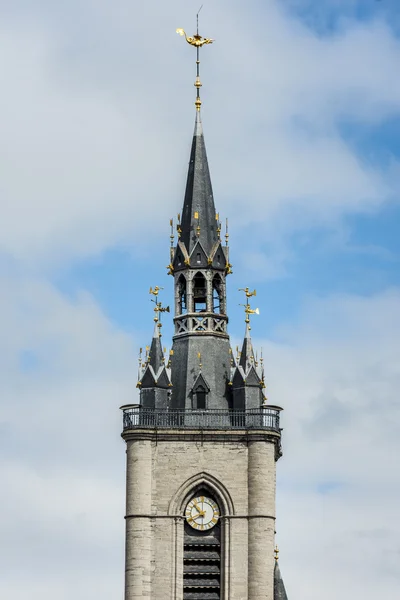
218 304
199 293
182 307
202 547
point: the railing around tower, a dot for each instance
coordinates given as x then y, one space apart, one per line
137 417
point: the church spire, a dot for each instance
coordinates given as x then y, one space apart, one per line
199 219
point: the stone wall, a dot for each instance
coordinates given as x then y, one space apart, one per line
162 473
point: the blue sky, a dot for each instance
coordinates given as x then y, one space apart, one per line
301 114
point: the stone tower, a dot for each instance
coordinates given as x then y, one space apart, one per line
202 444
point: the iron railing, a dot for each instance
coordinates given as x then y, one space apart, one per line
137 417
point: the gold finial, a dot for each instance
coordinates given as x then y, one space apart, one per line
172 239
197 41
178 227
226 232
140 363
197 216
276 552
218 226
238 354
199 357
263 375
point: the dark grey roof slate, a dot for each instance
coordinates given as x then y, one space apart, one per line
156 355
198 197
279 588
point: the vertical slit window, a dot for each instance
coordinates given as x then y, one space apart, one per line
182 306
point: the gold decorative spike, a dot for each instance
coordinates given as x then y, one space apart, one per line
276 552
226 232
178 227
140 362
199 357
172 239
197 216
198 42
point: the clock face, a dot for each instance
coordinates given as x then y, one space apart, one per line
202 513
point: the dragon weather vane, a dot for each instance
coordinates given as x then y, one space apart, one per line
197 41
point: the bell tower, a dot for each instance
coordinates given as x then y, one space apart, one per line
202 443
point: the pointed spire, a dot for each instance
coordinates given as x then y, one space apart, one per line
198 215
247 355
156 355
279 587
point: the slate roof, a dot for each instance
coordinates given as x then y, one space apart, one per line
156 354
198 197
279 587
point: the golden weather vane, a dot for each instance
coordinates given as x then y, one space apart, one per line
247 292
198 42
247 308
159 308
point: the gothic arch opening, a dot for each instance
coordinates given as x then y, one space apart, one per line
218 301
182 295
199 293
214 565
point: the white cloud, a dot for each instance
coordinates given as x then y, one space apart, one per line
94 116
96 123
337 376
62 466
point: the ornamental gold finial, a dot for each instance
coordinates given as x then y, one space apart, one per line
198 42
276 552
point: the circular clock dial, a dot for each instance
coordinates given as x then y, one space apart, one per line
202 513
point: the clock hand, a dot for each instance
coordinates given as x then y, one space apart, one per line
201 512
